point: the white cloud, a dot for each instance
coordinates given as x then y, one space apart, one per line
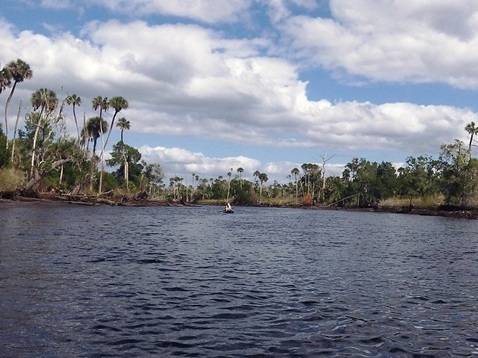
183 163
188 80
185 80
395 126
412 41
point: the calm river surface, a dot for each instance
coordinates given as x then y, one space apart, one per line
263 282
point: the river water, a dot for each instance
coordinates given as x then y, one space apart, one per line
263 282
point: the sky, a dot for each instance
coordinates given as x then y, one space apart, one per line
267 86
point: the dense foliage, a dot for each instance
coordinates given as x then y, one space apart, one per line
42 157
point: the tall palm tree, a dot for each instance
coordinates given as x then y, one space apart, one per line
45 100
101 103
95 127
472 129
123 124
15 131
73 100
19 71
193 175
262 178
5 79
229 174
295 172
256 175
117 103
240 171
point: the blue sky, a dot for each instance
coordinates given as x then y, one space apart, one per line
263 85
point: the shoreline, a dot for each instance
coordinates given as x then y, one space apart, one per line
56 199
471 214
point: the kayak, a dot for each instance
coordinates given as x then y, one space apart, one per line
230 211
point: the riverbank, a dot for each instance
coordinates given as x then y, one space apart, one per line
60 199
451 213
87 200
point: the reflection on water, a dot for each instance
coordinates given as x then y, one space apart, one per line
135 282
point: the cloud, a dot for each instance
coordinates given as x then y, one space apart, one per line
189 80
206 11
392 126
411 41
183 163
185 80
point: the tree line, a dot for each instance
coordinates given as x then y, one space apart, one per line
41 157
451 179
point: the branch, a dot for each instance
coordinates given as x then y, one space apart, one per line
37 177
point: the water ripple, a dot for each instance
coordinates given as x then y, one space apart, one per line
260 283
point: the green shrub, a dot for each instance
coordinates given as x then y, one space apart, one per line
11 180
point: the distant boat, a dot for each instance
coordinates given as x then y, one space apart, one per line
228 209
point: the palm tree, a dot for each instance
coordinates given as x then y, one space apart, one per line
15 131
45 100
472 129
95 127
118 103
123 124
73 100
175 184
295 172
19 71
101 103
5 79
256 175
240 171
229 174
262 178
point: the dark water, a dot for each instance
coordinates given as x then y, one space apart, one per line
193 282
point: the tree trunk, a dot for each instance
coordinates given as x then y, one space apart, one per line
6 110
37 130
76 124
103 145
126 174
37 176
15 131
100 188
86 136
61 174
